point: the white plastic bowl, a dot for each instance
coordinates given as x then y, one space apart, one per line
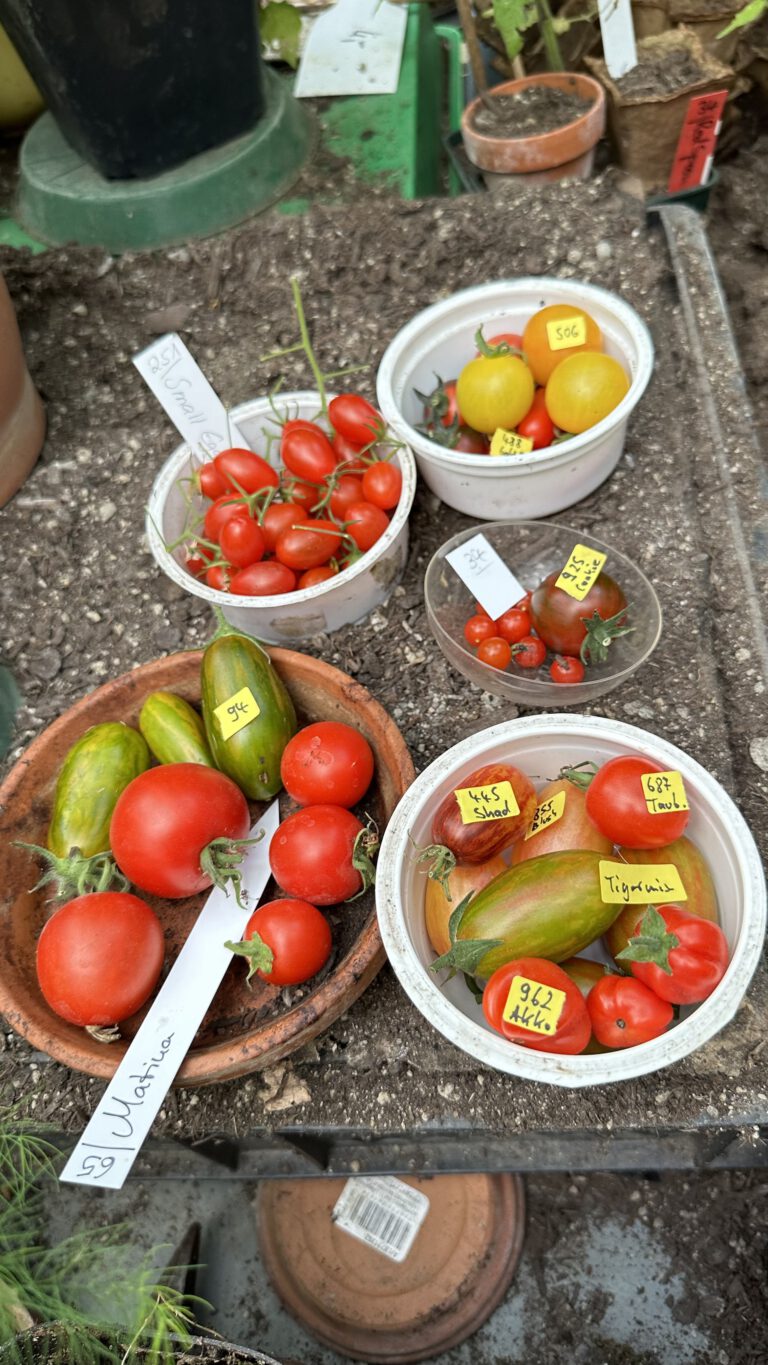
440 341
286 617
542 745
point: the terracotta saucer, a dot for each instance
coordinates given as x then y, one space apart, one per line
361 1303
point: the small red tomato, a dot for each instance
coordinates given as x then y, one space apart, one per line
320 574
348 489
327 763
538 1018
513 340
348 453
440 405
529 652
313 853
306 495
366 524
208 481
480 610
466 441
537 424
308 454
242 471
383 484
680 956
219 577
277 517
514 625
266 579
479 628
624 1012
242 541
495 652
286 942
566 669
525 602
353 416
219 513
308 543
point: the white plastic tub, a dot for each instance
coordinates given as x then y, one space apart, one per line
440 341
286 617
542 745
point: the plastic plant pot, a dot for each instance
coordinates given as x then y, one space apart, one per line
544 744
564 153
532 550
286 617
440 340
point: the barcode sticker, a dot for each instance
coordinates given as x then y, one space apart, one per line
381 1211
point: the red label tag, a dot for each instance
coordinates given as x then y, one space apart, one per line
696 148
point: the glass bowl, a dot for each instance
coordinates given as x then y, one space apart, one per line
532 550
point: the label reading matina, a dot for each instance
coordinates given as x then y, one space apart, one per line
495 801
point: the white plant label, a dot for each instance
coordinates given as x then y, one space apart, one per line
180 386
354 48
618 33
381 1211
486 575
122 1119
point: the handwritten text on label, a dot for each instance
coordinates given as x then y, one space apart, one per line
483 571
180 386
548 813
565 333
581 571
628 884
533 1006
236 712
664 792
509 443
495 802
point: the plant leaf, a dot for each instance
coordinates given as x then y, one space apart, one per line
754 10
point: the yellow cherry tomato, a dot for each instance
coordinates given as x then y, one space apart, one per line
541 355
583 390
494 391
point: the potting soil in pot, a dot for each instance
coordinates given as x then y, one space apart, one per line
660 72
535 109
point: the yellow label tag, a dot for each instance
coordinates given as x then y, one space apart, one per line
564 333
581 571
533 1006
631 884
548 813
494 802
664 792
236 712
509 443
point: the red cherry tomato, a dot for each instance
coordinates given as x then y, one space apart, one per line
304 495
679 956
512 339
320 574
208 481
624 1012
383 484
354 417
277 517
99 957
327 763
537 424
529 652
348 490
286 942
525 602
218 577
440 405
311 855
308 454
566 1022
348 453
514 625
469 442
242 541
220 512
308 543
495 652
567 669
165 819
266 579
479 628
242 470
616 804
366 524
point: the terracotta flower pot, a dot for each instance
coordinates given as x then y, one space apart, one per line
22 417
566 152
245 1028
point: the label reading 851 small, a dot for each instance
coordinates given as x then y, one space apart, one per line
581 571
564 333
236 712
533 1006
494 802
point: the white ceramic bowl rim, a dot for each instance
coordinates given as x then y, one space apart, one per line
543 459
171 471
705 1021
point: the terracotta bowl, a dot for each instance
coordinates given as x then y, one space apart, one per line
244 1029
539 152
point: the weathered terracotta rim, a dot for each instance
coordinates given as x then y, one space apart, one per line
304 1020
544 150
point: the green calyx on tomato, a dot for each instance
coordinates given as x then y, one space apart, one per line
441 865
364 851
681 956
464 955
220 860
652 943
257 953
491 350
76 875
600 634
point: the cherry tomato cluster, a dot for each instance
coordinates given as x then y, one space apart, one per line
515 895
266 532
512 640
550 383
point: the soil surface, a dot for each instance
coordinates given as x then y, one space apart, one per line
535 109
660 71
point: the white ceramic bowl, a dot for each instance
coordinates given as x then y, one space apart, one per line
286 617
440 341
542 745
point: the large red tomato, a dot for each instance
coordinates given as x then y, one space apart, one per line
327 763
313 854
99 957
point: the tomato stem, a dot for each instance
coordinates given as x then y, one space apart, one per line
364 851
491 352
76 875
306 345
653 942
259 955
104 1033
600 633
580 774
220 860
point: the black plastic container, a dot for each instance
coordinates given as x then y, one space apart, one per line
139 86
